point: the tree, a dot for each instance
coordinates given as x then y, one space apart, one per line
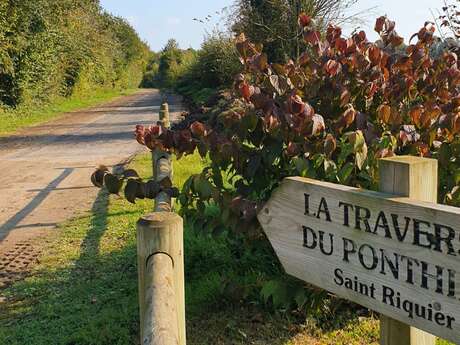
275 22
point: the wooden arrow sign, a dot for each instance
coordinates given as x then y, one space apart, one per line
394 255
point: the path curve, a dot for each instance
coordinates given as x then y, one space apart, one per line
46 168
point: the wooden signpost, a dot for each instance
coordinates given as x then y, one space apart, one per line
396 255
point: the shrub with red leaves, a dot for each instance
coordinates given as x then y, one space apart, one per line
330 115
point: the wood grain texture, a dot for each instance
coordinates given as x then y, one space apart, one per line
162 168
415 178
162 232
160 317
283 219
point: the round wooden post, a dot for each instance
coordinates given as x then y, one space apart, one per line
162 168
415 178
164 115
161 279
160 313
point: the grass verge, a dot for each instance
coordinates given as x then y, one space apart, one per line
84 290
13 120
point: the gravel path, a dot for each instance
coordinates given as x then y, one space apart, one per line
46 170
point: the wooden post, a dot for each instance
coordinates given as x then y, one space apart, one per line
415 178
162 166
160 324
160 264
164 115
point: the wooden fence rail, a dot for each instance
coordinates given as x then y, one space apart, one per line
161 263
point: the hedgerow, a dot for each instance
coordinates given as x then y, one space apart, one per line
50 49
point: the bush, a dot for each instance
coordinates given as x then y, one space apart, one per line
197 75
274 23
331 115
50 49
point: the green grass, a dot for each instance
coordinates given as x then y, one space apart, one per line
13 120
84 290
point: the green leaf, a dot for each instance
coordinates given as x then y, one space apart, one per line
345 173
250 122
277 290
301 297
302 166
217 176
329 166
318 160
253 165
204 188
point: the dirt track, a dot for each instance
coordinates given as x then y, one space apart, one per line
46 170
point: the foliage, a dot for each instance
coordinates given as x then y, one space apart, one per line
450 18
50 49
84 290
330 115
134 188
173 64
216 65
150 77
197 75
274 23
12 120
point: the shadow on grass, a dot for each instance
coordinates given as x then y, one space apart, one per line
91 299
85 292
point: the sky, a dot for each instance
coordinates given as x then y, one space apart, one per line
156 21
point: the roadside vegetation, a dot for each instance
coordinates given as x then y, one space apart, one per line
308 102
329 114
203 75
55 50
84 291
26 116
197 75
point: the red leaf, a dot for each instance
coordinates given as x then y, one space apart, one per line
295 105
415 114
345 97
374 54
198 129
304 20
349 115
318 124
330 144
246 91
383 113
311 36
333 33
333 68
292 149
379 24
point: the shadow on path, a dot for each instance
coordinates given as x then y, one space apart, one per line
14 221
